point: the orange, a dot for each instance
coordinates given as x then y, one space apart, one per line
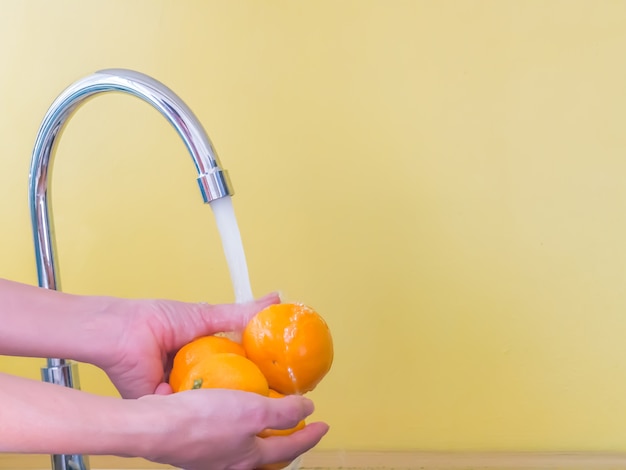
193 352
291 344
280 432
225 370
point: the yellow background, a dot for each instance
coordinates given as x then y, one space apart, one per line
444 180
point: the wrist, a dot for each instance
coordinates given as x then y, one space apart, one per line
147 425
99 331
138 429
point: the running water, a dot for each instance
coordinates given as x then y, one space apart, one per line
237 266
233 248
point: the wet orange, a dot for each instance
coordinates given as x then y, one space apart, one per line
198 349
225 370
291 344
280 432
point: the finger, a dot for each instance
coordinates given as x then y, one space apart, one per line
287 448
163 389
232 317
286 412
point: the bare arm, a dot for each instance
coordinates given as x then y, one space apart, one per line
194 430
37 417
69 329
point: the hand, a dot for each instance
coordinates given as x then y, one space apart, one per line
145 334
216 429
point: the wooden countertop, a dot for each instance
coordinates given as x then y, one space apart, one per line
377 460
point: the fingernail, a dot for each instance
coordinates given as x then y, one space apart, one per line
308 405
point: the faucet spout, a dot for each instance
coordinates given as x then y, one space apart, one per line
213 182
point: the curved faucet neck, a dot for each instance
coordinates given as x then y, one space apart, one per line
213 181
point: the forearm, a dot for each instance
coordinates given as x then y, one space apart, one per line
37 417
70 324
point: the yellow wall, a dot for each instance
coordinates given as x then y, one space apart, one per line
444 180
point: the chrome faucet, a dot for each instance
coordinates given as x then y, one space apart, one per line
212 179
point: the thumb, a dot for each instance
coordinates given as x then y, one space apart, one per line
231 317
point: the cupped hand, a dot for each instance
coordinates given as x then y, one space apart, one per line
145 334
217 429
